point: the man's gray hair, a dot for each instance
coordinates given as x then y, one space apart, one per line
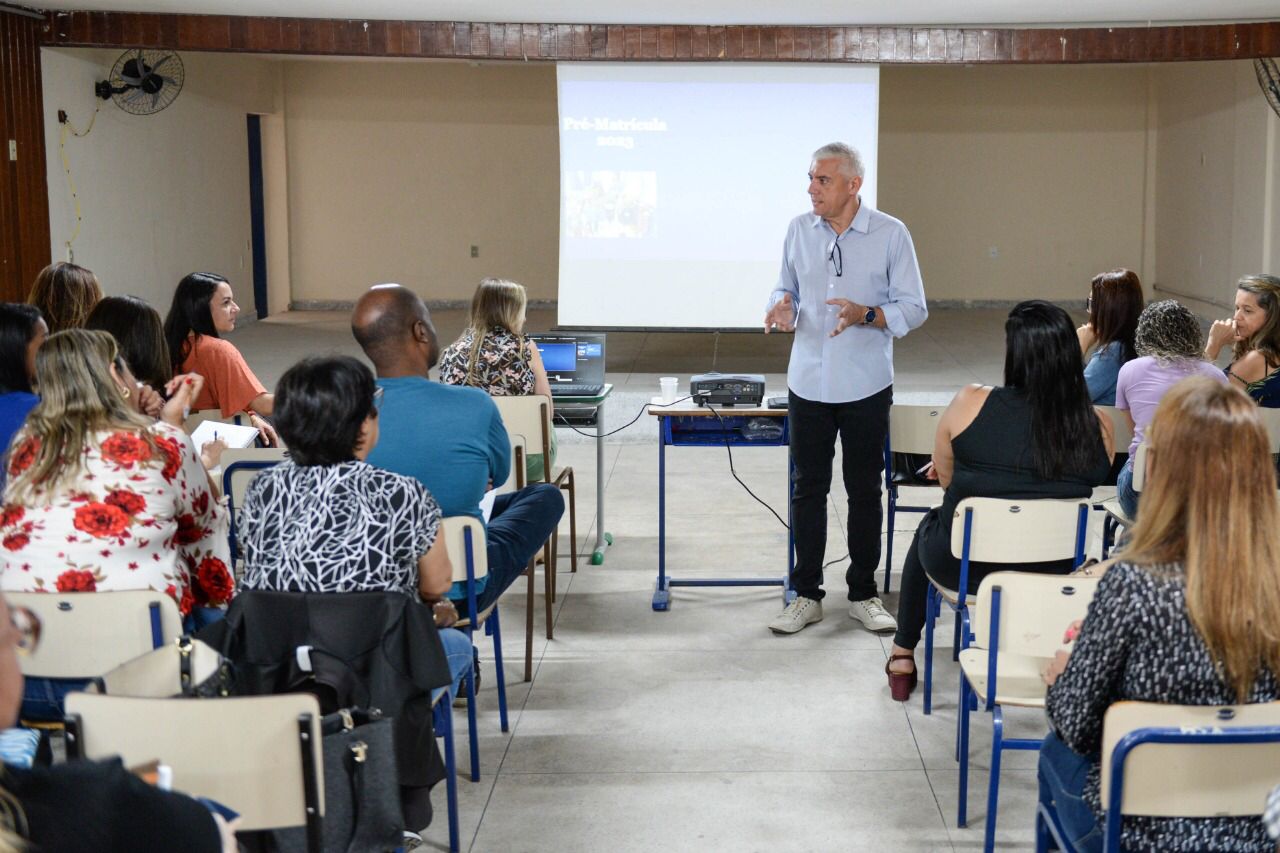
851 160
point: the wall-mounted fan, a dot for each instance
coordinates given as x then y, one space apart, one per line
143 82
1269 80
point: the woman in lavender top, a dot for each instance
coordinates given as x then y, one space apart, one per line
1168 345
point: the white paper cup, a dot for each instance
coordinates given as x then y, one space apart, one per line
669 385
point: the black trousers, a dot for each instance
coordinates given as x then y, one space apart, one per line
862 426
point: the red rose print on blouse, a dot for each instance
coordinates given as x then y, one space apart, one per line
215 580
101 520
186 602
172 455
201 503
188 531
15 541
23 455
75 580
131 503
11 515
125 449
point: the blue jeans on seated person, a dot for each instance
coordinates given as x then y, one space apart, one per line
457 650
1062 778
42 698
520 523
1124 490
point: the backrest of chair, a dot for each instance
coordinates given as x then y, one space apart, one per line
912 428
1140 467
1035 610
85 634
1020 531
528 418
245 752
1121 431
1271 420
458 530
241 465
1186 779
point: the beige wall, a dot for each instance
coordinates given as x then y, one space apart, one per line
160 195
1217 179
390 171
397 169
1043 167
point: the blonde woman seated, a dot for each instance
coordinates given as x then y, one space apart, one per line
1189 615
494 355
100 497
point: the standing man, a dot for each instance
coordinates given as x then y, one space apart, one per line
849 285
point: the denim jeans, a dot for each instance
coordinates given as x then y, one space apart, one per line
862 426
1062 779
457 650
1124 490
42 698
520 523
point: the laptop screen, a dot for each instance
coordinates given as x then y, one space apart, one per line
577 359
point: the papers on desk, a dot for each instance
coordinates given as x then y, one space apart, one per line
233 434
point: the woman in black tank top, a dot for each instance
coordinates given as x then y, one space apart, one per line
1037 436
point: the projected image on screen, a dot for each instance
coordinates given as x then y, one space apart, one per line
610 204
678 181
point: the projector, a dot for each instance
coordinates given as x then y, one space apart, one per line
727 389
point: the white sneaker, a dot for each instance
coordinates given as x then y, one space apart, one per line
800 612
872 615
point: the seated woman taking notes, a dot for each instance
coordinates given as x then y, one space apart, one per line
203 306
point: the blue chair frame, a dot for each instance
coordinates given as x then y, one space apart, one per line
968 703
442 719
493 629
963 636
1049 830
239 465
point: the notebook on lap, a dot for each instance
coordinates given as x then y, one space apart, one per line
574 363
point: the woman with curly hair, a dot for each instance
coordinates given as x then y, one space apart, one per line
1255 330
1168 344
101 497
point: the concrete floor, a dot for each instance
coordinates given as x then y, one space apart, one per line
698 729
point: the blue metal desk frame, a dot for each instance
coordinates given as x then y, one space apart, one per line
677 427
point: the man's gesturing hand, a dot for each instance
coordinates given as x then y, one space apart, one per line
781 316
851 314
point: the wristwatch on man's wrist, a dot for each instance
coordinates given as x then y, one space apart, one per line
870 317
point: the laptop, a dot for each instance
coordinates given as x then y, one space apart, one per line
574 363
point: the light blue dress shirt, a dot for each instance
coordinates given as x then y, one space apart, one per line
879 270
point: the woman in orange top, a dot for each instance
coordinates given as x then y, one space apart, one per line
202 307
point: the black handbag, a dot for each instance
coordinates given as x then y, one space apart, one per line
361 788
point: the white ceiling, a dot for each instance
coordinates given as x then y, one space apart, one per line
798 12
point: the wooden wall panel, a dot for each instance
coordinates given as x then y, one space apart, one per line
24 199
558 41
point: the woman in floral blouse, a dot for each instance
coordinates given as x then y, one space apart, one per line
1189 615
100 498
494 355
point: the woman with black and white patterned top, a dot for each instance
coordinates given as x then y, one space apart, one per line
327 521
1190 615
